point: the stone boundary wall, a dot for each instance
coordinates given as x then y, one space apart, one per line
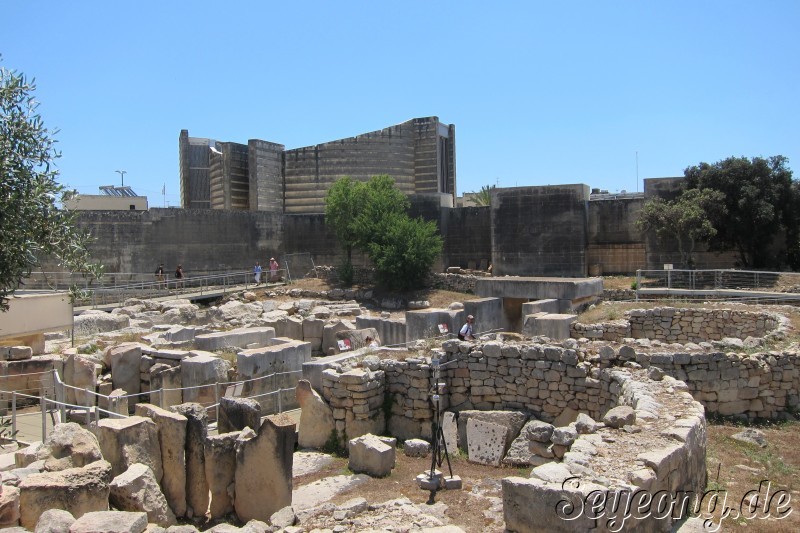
366 275
356 398
619 295
682 325
761 385
675 463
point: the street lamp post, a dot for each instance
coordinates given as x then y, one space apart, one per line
122 175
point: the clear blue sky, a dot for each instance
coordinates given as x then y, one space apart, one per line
540 92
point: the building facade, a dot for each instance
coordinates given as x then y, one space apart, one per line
264 176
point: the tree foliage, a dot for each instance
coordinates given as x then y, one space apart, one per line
373 217
484 196
686 220
760 200
31 224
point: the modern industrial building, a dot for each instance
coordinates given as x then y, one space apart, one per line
264 176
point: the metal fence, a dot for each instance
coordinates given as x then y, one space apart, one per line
724 284
50 398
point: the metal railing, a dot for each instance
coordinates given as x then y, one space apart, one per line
51 398
719 283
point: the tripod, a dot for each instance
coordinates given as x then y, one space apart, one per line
439 446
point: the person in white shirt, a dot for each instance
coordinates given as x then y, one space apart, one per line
466 333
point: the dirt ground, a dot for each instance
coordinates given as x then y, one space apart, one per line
475 508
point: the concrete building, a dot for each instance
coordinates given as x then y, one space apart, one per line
112 199
263 176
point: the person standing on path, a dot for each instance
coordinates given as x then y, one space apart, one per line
257 272
273 269
179 277
160 275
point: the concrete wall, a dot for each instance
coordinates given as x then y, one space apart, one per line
229 177
105 202
265 166
201 240
468 237
540 231
194 171
614 243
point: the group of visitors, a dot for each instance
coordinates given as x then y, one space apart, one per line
161 278
273 271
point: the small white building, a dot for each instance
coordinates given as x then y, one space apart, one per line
112 199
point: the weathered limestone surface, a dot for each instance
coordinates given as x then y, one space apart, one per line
172 441
54 521
316 417
124 361
235 414
485 441
202 368
220 459
264 469
196 433
69 446
9 506
110 522
77 490
371 455
127 441
136 489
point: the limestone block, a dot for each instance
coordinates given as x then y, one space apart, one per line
585 424
87 325
220 464
202 368
416 448
196 432
264 469
512 420
235 338
180 334
76 490
316 417
539 431
236 414
566 417
425 323
27 455
124 360
552 472
136 489
564 436
54 521
283 518
235 310
110 522
450 431
127 441
528 506
485 441
330 330
312 328
172 442
166 378
69 446
80 372
371 455
357 338
619 416
9 506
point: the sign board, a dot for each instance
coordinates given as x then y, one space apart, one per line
667 266
443 328
344 345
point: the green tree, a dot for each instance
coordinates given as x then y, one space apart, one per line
685 219
373 217
484 196
31 224
758 198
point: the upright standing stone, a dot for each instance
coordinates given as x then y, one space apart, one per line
126 441
110 522
485 442
235 414
450 432
69 446
264 469
196 432
124 361
172 440
316 417
220 455
136 489
165 385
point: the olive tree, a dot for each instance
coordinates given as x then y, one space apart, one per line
31 224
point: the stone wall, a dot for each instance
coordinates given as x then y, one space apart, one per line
681 325
356 398
468 237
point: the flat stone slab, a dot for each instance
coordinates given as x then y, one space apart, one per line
485 442
309 462
536 288
321 491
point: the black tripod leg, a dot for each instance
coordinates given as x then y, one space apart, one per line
446 455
